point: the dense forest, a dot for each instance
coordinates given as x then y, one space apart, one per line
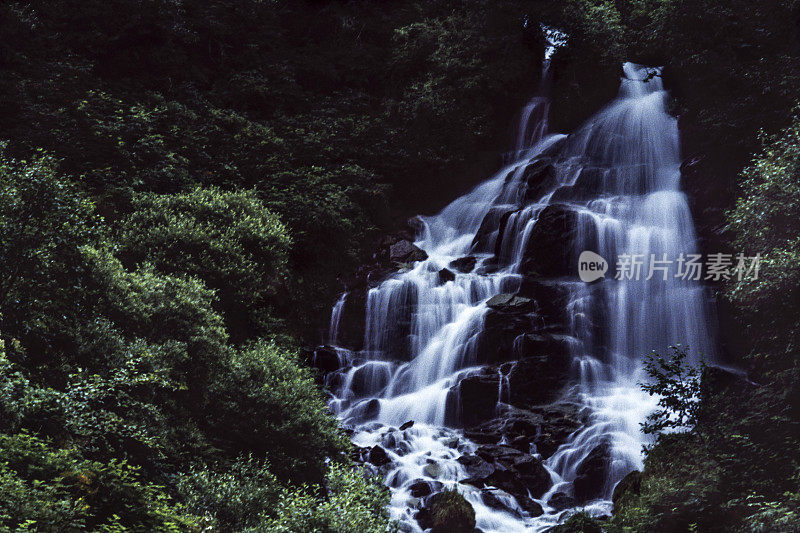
188 186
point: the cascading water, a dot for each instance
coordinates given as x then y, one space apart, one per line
615 185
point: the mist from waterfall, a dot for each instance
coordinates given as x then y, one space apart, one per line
619 175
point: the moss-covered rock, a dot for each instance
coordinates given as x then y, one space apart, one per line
447 512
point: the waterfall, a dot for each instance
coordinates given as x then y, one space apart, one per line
612 187
336 317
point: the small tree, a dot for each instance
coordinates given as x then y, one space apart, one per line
677 384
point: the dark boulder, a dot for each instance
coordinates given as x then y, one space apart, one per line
446 275
491 499
463 264
378 456
511 303
516 473
406 252
325 359
582 523
416 224
366 410
529 506
591 474
422 487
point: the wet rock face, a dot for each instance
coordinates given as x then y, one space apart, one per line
478 398
550 248
527 383
509 316
510 470
530 382
538 379
551 301
592 473
539 178
353 319
490 230
540 429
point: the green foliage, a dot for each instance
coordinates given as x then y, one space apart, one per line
680 491
134 383
43 223
46 488
229 240
765 221
232 498
319 107
262 401
578 523
677 385
354 504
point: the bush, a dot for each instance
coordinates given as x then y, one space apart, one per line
354 504
229 240
680 490
47 488
231 498
262 401
578 523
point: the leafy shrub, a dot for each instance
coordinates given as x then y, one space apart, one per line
354 504
232 498
262 401
578 523
227 239
47 488
677 385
